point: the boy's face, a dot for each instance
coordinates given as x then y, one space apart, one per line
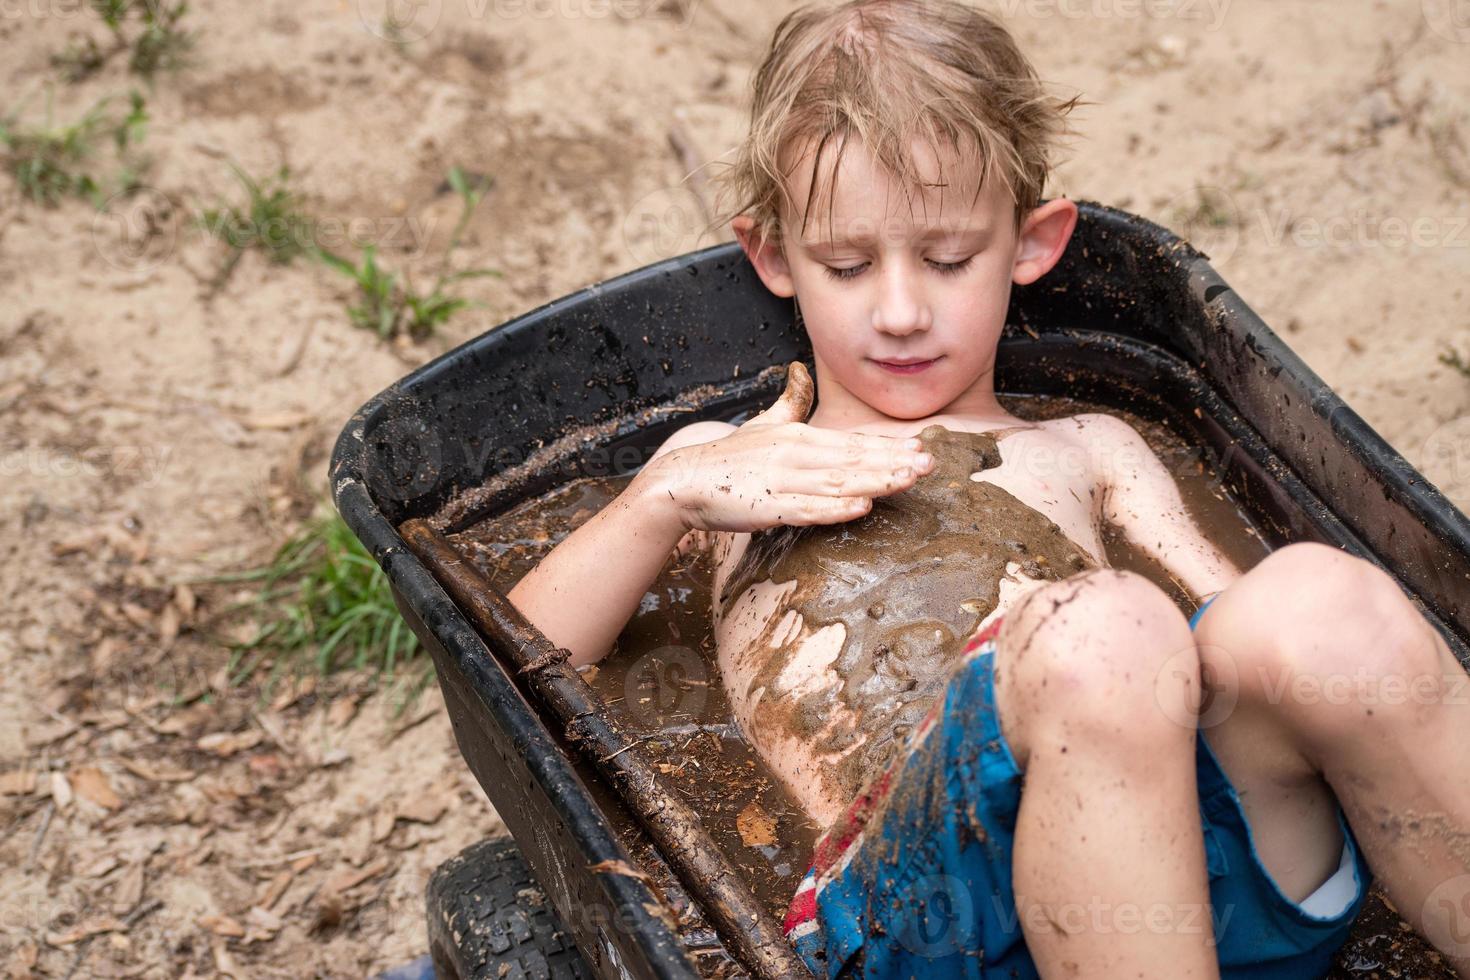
894 274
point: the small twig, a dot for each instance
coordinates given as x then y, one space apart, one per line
636 741
41 834
129 921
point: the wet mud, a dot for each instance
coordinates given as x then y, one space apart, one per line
957 536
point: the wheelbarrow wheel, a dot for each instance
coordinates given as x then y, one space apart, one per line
490 920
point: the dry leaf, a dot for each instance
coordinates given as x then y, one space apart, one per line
347 880
137 615
273 891
129 891
302 863
92 785
17 783
341 711
222 925
168 625
226 744
756 827
91 927
618 868
60 791
425 809
184 601
102 654
99 867
278 421
383 822
154 775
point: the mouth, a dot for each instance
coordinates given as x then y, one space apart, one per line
908 365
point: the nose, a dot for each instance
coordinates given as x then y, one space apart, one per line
900 307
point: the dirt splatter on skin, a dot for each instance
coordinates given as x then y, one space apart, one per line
954 534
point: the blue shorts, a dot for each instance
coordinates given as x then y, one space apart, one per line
915 878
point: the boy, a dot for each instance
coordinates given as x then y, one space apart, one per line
941 621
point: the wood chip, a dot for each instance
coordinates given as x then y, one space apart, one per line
222 925
757 828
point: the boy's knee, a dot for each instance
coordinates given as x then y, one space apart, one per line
1327 637
1103 656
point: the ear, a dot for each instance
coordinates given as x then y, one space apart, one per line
768 259
1044 235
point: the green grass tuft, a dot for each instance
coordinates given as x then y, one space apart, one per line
391 308
271 221
52 162
1452 358
148 30
324 605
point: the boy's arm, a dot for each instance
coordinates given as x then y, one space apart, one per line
585 590
1141 499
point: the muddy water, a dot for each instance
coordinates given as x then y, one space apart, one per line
663 674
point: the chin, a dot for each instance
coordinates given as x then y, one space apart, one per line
908 410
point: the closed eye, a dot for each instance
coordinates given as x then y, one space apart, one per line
847 272
950 268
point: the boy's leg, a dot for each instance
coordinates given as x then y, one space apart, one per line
1321 654
1092 675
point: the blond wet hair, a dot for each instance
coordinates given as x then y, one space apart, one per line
888 73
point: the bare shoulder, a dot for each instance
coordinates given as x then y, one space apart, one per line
1094 427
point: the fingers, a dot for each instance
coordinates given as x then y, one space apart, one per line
800 510
877 480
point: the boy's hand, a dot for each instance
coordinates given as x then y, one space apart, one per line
776 469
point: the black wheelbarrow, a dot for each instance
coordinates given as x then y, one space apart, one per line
1133 318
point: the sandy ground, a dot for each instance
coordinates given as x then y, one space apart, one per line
150 435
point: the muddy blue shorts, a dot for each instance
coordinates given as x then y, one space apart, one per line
914 880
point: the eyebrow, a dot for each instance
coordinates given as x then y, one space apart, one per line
926 237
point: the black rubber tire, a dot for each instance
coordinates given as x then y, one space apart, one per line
490 920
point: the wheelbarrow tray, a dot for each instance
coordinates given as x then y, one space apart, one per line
1132 318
